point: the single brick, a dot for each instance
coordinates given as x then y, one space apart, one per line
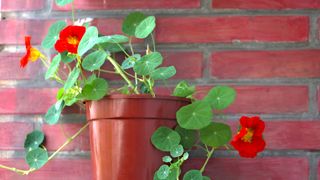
26 100
232 29
265 4
191 29
56 135
12 135
18 29
266 64
268 99
293 168
10 67
131 4
188 64
22 5
105 28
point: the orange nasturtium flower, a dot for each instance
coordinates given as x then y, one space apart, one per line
249 140
32 53
69 39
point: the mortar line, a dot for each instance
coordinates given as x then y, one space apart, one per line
313 99
294 82
81 118
205 5
313 167
38 119
214 46
313 31
206 64
205 10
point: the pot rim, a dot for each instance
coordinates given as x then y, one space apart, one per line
143 96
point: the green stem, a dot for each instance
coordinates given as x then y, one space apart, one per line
132 52
122 74
112 72
152 92
125 52
69 68
19 171
130 45
58 79
132 75
106 71
207 160
44 61
79 66
68 141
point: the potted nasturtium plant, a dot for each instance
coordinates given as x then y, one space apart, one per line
134 133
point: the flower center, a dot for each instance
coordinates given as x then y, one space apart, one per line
73 40
34 54
248 136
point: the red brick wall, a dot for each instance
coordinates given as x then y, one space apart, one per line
267 49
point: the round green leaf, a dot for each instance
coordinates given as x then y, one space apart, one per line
145 27
37 158
67 57
54 112
183 89
185 156
195 116
88 40
163 172
163 73
33 140
53 68
165 138
53 34
113 39
216 134
94 60
166 159
176 151
188 137
148 63
206 178
193 175
63 2
130 61
221 97
72 78
131 22
96 90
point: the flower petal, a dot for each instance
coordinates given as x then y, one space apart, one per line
27 41
24 60
76 32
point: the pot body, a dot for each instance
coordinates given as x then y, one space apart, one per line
120 130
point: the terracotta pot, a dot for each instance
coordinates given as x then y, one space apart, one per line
120 130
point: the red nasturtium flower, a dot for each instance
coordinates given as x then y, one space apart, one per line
69 39
249 140
32 53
